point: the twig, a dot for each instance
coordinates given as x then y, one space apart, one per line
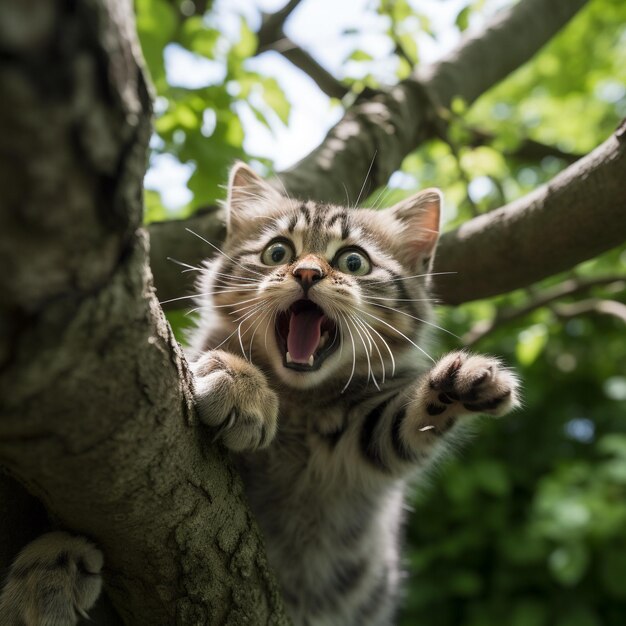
592 305
569 287
272 24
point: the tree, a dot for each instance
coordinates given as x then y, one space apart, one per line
97 413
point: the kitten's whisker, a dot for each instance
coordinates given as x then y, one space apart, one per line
347 194
247 279
162 302
183 264
399 299
258 324
353 354
378 201
239 334
278 178
399 333
243 308
393 280
243 352
234 331
221 306
370 372
253 309
196 295
247 269
251 194
267 326
233 289
369 169
393 361
371 340
419 319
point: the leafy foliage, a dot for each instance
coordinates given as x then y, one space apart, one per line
526 526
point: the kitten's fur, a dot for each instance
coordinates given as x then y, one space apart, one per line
326 450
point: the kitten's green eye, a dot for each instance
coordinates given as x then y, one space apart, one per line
277 253
353 262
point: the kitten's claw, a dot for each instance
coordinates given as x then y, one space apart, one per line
54 580
460 383
233 397
471 383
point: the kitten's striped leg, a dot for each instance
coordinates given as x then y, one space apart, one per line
233 397
54 580
407 431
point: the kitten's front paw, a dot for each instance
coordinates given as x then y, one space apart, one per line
233 397
54 580
469 383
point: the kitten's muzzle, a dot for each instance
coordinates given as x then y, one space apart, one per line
307 273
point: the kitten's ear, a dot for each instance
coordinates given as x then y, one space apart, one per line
419 216
249 196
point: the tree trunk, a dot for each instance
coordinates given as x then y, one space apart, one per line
96 412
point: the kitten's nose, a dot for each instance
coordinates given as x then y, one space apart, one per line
307 273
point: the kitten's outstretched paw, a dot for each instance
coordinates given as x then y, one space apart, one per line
54 580
233 397
468 383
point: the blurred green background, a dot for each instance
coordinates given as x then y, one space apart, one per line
527 525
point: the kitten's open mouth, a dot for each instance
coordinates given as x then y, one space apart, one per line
306 336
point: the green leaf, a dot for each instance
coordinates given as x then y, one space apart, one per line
198 37
360 55
409 45
462 19
275 98
247 44
156 25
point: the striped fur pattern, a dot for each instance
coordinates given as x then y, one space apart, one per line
311 363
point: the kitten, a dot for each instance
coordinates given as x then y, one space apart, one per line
310 364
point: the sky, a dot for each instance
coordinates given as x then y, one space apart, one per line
319 27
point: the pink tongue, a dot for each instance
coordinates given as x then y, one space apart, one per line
304 335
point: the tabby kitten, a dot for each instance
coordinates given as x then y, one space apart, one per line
310 363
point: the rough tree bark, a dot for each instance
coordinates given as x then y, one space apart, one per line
96 413
95 397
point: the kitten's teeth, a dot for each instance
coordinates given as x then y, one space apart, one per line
311 361
288 357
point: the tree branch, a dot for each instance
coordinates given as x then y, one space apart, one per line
577 215
527 150
272 25
96 410
593 305
305 62
570 287
394 123
271 36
